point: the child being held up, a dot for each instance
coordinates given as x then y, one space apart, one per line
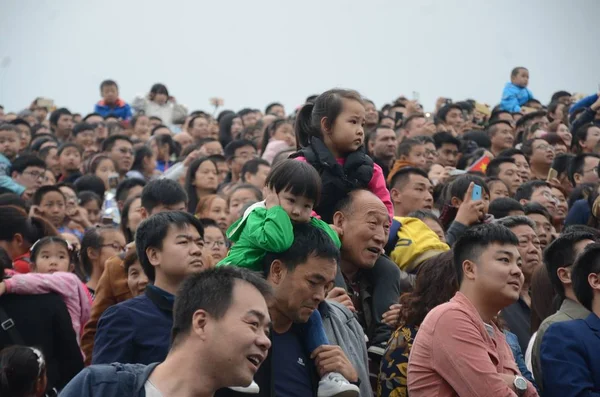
516 93
292 189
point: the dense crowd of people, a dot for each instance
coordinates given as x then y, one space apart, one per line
339 249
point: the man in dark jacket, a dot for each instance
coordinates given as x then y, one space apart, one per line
42 321
219 339
169 246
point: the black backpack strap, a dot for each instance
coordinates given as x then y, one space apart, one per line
393 237
8 325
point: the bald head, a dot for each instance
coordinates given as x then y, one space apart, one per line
359 198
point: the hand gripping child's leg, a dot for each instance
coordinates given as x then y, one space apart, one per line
332 384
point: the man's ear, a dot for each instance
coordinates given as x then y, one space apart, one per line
396 196
143 213
199 322
92 253
154 256
594 281
523 201
564 275
577 178
277 272
469 271
338 219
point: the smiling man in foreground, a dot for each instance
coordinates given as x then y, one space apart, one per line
219 339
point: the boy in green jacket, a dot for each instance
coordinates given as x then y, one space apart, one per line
292 189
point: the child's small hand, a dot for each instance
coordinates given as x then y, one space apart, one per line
36 211
271 198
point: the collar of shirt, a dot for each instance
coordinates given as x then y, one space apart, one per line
163 299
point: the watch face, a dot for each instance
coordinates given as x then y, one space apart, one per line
521 383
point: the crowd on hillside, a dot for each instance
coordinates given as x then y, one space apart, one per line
339 249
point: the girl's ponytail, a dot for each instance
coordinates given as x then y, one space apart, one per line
304 126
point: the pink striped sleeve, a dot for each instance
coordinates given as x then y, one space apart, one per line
378 187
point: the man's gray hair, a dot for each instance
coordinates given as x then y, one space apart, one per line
516 220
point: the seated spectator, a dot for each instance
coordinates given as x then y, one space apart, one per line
300 277
585 137
538 192
430 151
543 223
28 171
447 147
583 168
435 284
382 144
158 103
501 134
521 162
518 314
498 189
158 196
372 280
410 190
255 172
561 165
541 155
474 359
220 339
569 350
170 247
504 207
111 104
505 169
516 93
411 152
559 258
215 242
278 136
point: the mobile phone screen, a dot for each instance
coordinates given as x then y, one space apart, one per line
476 193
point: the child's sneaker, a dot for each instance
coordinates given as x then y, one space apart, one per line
251 389
334 384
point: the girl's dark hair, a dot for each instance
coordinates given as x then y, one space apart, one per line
225 128
20 369
93 238
158 88
270 131
436 283
544 299
15 220
140 154
297 177
35 249
124 215
86 196
163 139
189 180
96 160
329 105
580 135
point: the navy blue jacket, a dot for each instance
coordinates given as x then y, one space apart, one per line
135 331
115 380
570 357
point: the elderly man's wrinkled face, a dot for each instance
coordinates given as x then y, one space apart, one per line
365 226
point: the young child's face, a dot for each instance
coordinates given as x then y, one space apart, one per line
110 94
522 78
347 133
53 257
298 208
70 159
417 156
53 207
9 143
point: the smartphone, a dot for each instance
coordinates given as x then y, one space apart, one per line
113 180
552 174
476 193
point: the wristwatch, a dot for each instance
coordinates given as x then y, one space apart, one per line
520 384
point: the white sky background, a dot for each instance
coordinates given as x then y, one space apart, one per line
252 52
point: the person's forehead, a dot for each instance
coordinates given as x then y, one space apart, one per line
318 266
241 194
65 116
70 150
34 168
416 179
590 160
182 230
497 248
368 205
538 218
385 133
121 143
508 166
8 133
245 149
95 119
449 146
353 106
541 190
53 196
523 230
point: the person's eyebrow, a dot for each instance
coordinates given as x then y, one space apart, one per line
318 277
504 252
185 236
260 315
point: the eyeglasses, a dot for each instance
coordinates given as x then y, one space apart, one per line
115 246
430 152
35 174
544 147
96 125
218 243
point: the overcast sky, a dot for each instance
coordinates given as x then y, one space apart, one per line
252 52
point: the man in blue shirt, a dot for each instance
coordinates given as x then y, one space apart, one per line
169 246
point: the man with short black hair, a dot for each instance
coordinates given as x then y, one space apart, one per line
450 117
559 258
220 338
539 192
570 354
61 123
411 190
505 206
28 171
85 136
255 172
521 162
120 149
518 315
276 109
505 169
237 153
198 127
474 358
417 125
447 147
501 134
584 169
169 245
24 132
382 146
543 222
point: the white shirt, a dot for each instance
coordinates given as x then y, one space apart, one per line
151 390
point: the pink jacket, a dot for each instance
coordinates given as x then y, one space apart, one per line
377 185
454 355
73 292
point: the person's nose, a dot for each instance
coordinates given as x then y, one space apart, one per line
263 342
195 249
429 197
